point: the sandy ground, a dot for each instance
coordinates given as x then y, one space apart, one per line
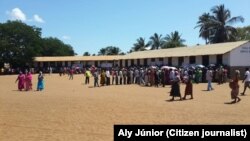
68 110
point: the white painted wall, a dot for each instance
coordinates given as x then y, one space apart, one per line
225 58
186 60
141 62
165 61
198 60
175 61
129 62
212 59
240 56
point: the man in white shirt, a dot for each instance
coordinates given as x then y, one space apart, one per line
209 77
246 80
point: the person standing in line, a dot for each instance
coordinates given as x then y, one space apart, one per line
87 76
246 81
124 72
189 87
71 72
175 91
113 75
209 77
96 84
102 78
40 83
234 85
107 77
21 81
120 76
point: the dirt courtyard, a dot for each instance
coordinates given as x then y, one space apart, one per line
69 110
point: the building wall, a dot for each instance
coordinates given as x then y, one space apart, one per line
198 60
175 61
212 59
186 60
240 56
129 62
226 59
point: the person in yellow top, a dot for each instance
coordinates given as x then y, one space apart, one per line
87 76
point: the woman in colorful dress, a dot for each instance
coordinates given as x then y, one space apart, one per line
21 81
234 85
28 81
40 83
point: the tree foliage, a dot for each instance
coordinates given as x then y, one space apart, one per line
20 43
86 54
216 28
110 50
173 40
243 33
140 45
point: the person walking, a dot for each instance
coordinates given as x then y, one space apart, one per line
246 81
233 84
209 77
21 81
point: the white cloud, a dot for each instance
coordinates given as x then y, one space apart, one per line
65 37
17 14
38 19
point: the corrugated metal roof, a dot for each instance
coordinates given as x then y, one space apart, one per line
211 49
76 58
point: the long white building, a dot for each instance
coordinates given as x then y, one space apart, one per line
236 55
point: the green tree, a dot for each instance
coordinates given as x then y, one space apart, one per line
173 40
110 50
219 25
55 47
86 54
243 33
156 41
19 43
140 45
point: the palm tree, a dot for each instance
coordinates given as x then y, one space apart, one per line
219 24
156 41
173 40
140 45
203 23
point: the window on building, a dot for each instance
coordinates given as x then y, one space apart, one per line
138 62
132 62
180 61
192 60
161 59
145 62
219 59
126 63
170 61
152 59
205 60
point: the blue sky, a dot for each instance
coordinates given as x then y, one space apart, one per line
89 25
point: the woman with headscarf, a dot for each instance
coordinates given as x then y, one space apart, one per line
175 91
40 83
21 81
189 87
234 85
